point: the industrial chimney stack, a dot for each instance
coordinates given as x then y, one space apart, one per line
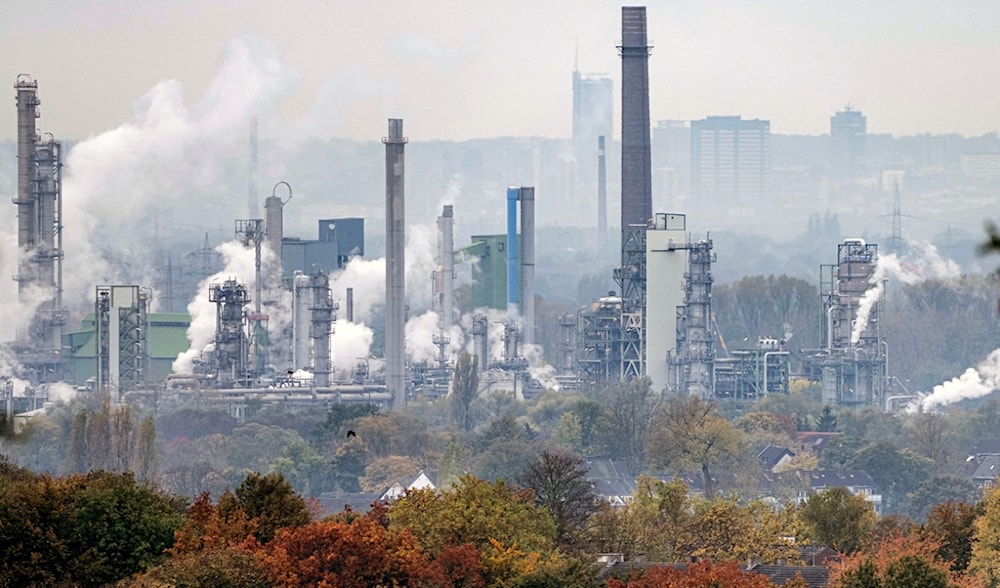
395 264
637 183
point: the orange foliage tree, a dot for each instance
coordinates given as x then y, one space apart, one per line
363 553
895 548
697 575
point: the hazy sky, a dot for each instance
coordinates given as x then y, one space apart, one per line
458 69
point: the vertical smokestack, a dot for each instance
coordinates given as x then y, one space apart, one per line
527 196
512 288
447 267
602 194
274 219
395 264
27 137
637 203
350 305
252 206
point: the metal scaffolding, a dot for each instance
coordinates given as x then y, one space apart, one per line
851 362
231 356
39 238
121 321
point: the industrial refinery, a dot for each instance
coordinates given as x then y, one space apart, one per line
264 329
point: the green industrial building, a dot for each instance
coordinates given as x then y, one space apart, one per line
166 338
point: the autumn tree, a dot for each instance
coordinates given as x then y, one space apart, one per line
270 500
697 575
334 425
559 482
836 518
475 511
725 530
355 554
897 472
348 465
82 530
952 524
382 473
939 490
628 409
690 433
146 461
464 388
865 575
911 571
986 539
663 518
901 558
225 567
504 449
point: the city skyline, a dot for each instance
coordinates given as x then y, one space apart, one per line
457 71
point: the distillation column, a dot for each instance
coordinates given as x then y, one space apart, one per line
395 264
27 217
323 316
301 299
231 344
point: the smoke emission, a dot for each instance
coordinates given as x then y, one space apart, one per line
922 262
975 382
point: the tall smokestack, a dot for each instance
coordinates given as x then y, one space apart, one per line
252 204
395 264
602 194
512 289
350 305
637 184
274 220
27 137
447 223
527 197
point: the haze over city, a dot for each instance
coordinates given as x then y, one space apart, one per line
459 70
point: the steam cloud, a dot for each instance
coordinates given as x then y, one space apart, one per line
169 155
973 383
923 262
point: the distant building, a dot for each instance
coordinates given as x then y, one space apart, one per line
671 163
730 161
981 165
848 143
936 156
593 104
338 240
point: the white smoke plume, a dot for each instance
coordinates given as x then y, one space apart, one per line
367 278
351 342
420 332
239 265
543 372
975 382
169 157
922 262
60 392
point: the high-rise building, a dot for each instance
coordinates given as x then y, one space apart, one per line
671 163
730 160
848 143
592 110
